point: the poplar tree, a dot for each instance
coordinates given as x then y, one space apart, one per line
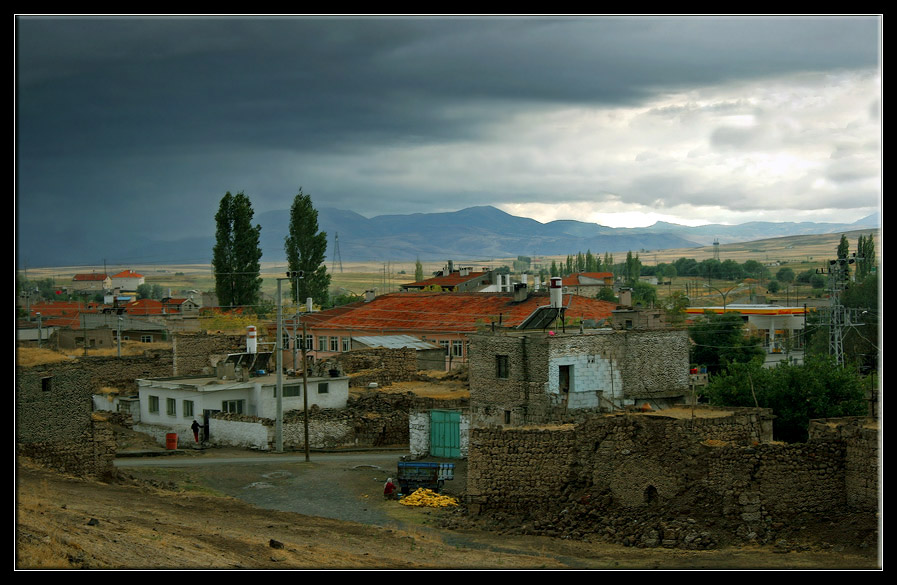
236 255
306 249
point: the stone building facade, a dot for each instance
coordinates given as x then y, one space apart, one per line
54 423
521 378
652 480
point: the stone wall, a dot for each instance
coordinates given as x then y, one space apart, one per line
196 353
373 419
606 371
382 366
861 457
54 423
624 477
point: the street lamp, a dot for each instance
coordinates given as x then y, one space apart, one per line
278 348
725 294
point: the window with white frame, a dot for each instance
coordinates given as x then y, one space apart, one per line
146 338
334 344
445 346
309 342
346 341
322 343
457 348
154 404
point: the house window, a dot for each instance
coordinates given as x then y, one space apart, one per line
154 404
346 343
322 343
457 348
502 367
232 406
334 344
146 339
291 390
187 407
323 387
171 407
309 342
46 384
445 346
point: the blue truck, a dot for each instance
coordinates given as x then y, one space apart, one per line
423 474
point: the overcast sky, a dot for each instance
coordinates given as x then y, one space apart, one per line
138 126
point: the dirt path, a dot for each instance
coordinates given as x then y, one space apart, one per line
173 517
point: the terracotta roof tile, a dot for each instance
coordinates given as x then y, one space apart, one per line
453 312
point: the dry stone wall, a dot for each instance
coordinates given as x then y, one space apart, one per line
380 365
54 423
658 481
861 457
195 353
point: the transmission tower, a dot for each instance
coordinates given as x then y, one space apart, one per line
839 317
336 254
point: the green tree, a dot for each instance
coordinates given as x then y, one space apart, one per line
843 247
554 269
773 286
818 388
306 249
785 275
236 256
643 294
720 340
865 256
418 271
674 307
607 294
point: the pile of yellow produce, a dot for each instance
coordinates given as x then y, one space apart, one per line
428 498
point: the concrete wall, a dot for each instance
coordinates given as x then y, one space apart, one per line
609 370
594 477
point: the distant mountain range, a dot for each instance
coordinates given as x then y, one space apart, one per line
475 232
487 232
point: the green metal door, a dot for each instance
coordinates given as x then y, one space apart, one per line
445 433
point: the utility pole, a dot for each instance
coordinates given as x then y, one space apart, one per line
305 389
278 349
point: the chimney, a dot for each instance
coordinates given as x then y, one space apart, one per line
465 271
556 292
309 304
369 295
626 297
451 267
251 345
520 292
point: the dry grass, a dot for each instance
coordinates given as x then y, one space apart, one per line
32 356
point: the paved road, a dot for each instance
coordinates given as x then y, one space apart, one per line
345 486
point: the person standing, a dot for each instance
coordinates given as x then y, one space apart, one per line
195 427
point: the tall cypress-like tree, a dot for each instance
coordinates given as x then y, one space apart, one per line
306 249
236 255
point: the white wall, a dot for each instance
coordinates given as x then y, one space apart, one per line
590 373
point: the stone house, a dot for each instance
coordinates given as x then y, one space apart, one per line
519 377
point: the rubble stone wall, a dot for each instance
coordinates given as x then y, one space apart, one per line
54 423
861 457
196 353
623 469
381 365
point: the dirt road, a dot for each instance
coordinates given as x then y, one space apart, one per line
175 516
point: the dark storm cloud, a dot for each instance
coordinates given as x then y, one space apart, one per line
120 117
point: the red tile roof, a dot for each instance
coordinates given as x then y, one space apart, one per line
453 279
89 277
573 279
127 274
63 308
453 312
145 307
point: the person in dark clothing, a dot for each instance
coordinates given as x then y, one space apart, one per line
195 427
